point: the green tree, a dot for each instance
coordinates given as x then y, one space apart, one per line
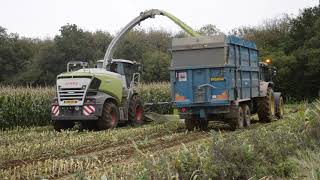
156 65
209 30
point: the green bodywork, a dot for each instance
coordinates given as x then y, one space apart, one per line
110 84
180 23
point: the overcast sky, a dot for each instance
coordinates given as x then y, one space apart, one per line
43 18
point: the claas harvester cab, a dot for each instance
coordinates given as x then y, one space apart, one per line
99 98
220 78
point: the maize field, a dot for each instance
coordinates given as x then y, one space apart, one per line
28 106
165 150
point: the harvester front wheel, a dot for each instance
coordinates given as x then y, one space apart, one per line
266 107
136 111
62 125
109 118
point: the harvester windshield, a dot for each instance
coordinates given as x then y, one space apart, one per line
76 65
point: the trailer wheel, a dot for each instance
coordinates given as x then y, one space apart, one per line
190 123
109 118
280 108
62 125
238 121
136 111
266 107
246 115
203 124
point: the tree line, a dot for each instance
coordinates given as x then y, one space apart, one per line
293 44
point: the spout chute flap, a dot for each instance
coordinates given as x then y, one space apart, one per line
180 23
143 16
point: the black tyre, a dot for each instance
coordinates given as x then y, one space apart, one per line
190 123
279 108
136 111
109 118
266 107
193 122
246 115
62 125
202 124
238 121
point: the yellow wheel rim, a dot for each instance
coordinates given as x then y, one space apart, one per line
272 105
281 107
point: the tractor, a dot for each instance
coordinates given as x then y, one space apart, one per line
220 78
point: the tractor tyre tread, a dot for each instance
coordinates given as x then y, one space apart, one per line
264 107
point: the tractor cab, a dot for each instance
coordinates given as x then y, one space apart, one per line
267 72
129 70
76 65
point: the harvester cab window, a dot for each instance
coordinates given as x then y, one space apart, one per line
76 65
125 69
114 67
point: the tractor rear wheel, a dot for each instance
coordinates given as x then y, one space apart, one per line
62 125
109 118
246 115
266 107
280 108
136 111
238 121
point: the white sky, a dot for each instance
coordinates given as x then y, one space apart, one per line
43 18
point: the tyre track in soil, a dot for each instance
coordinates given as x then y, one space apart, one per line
124 153
120 152
82 150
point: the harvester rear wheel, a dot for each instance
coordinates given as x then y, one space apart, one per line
62 125
109 118
136 111
266 107
238 121
246 115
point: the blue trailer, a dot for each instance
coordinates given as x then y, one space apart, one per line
221 78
